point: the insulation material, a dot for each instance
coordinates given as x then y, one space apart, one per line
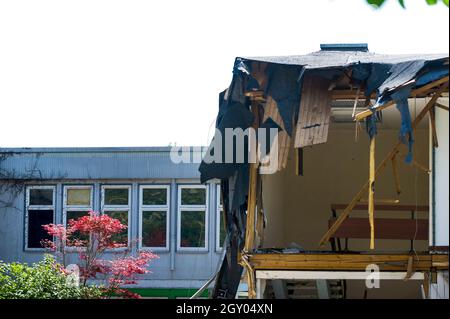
314 116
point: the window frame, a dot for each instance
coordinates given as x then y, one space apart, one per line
119 208
219 220
188 208
37 207
156 208
68 208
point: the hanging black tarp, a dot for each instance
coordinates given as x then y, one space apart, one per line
385 77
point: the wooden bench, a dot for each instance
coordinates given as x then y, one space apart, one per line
411 228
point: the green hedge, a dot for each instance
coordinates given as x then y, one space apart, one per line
42 280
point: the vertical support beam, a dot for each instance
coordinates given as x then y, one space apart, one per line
433 127
252 191
280 289
251 207
398 188
326 237
323 289
173 223
371 204
260 287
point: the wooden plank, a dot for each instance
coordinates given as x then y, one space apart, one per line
251 212
348 95
314 115
252 194
385 228
433 127
331 275
284 141
414 93
326 237
382 207
396 176
371 204
324 261
442 106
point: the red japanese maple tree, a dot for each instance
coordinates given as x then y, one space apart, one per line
91 236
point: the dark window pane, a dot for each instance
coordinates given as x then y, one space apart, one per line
37 218
193 196
192 229
116 196
41 196
154 196
154 229
223 232
75 215
122 216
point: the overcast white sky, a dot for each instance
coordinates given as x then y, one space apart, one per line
148 73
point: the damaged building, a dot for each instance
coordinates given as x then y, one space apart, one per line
360 184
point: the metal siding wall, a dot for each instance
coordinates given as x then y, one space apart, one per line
172 269
100 165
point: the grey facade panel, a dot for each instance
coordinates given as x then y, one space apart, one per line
96 163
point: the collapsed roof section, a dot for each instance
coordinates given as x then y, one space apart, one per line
296 92
293 95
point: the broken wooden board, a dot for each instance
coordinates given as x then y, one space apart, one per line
284 140
422 261
314 115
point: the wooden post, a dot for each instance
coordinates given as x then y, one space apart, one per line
371 192
252 192
251 209
396 176
433 127
326 237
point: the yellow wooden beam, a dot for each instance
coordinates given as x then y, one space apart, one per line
396 175
326 237
414 93
422 261
372 192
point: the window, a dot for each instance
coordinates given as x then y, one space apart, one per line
220 226
192 218
40 209
154 216
77 203
116 204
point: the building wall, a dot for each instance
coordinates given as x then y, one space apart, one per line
174 268
298 207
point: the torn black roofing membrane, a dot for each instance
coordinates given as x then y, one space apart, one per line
385 77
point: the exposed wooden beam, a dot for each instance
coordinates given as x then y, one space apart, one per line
396 175
400 208
251 211
326 237
345 261
349 95
331 275
442 106
371 192
433 127
414 93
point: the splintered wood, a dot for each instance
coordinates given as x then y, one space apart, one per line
314 117
284 141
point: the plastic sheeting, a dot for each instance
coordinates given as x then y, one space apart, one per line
389 77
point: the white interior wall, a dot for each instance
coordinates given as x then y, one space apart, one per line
440 186
298 207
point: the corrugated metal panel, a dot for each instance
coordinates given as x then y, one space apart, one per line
314 116
97 163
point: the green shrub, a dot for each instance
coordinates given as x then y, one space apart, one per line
42 280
